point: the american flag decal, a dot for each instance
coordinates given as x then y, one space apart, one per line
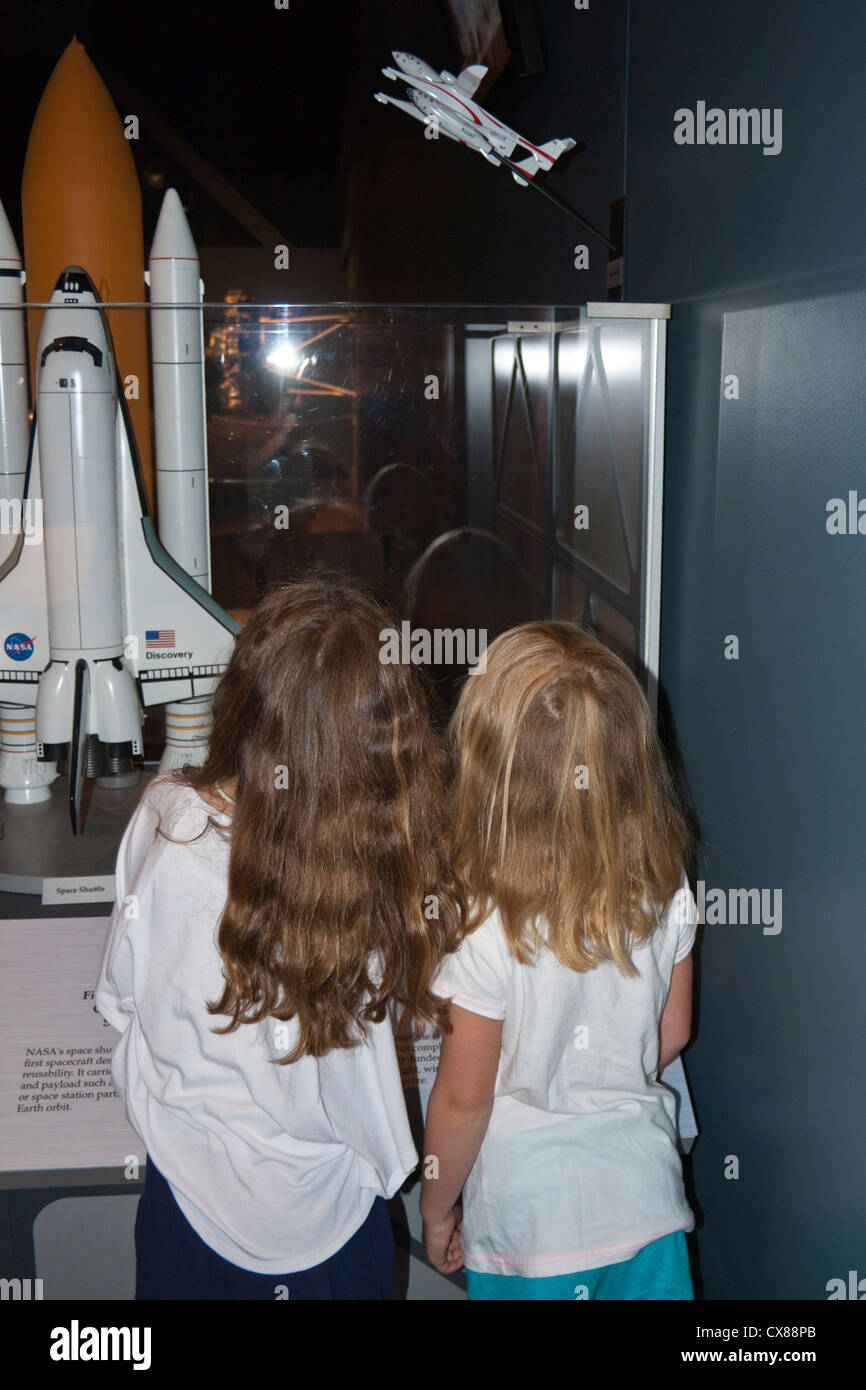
154 638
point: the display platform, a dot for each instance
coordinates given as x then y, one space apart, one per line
40 856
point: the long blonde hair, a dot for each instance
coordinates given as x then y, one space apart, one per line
566 817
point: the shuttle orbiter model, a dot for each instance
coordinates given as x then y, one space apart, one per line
99 620
445 102
99 617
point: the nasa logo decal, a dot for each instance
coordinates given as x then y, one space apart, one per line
19 646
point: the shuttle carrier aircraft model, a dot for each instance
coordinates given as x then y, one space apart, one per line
444 101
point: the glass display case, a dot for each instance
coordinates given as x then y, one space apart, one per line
476 466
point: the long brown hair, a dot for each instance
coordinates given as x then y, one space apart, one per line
340 899
566 813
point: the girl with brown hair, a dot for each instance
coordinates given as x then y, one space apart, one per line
571 987
278 922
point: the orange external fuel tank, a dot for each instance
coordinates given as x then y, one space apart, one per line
81 204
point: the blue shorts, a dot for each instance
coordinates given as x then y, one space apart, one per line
173 1262
659 1270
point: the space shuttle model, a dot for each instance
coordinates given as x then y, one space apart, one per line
444 102
99 617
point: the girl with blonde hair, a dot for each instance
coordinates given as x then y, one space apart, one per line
279 923
570 989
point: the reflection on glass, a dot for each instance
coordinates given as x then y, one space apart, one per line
615 629
435 453
571 593
597 468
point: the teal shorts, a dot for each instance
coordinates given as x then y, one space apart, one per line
659 1270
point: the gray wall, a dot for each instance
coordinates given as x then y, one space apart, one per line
762 258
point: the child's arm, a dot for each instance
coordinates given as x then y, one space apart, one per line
675 1025
457 1117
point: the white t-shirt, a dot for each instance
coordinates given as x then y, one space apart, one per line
579 1167
275 1167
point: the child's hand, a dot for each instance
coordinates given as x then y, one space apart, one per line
443 1242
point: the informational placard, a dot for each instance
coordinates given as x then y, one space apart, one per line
58 1106
675 1077
78 890
418 1060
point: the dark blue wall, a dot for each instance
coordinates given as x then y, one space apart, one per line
762 258
723 218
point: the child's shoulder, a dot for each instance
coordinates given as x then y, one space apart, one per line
682 908
175 807
483 936
679 920
164 793
490 941
485 923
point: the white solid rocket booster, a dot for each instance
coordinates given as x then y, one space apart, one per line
177 343
14 415
24 778
178 392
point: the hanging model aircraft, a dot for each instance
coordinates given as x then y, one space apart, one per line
444 102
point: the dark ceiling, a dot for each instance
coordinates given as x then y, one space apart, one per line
258 92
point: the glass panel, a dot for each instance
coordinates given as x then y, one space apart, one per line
591 471
522 463
622 348
571 593
615 630
435 453
411 447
